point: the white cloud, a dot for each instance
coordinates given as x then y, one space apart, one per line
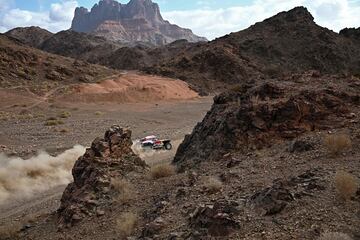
56 19
62 11
333 14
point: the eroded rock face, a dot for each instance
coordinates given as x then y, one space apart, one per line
137 21
108 157
253 117
273 200
218 219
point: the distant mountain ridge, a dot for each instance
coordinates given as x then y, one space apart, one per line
137 21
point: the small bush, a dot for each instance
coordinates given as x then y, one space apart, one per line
126 224
337 143
213 185
98 113
53 122
162 170
123 190
346 185
334 236
255 100
65 115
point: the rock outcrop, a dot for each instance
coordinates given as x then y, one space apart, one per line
251 117
353 33
107 158
137 21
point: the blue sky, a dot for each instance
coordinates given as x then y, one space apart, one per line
209 18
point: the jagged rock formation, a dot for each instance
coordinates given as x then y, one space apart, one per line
108 157
137 21
252 116
353 33
32 36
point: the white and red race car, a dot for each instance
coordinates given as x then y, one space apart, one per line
154 142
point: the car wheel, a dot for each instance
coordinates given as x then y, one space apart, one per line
168 146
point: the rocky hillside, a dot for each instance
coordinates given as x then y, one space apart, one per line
22 66
288 42
32 36
137 21
78 45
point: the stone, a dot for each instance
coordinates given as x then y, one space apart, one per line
216 219
300 146
89 193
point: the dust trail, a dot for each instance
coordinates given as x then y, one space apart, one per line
21 178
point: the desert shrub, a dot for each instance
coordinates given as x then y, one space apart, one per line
334 236
9 232
65 114
255 99
53 122
213 184
98 113
337 143
162 170
123 190
126 224
346 185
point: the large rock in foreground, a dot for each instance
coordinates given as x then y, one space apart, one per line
252 116
108 157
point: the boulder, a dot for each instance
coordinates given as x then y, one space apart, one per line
107 158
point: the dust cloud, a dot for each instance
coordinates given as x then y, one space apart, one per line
21 178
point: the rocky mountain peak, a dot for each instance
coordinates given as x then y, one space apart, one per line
297 14
137 21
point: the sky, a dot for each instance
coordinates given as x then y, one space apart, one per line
209 18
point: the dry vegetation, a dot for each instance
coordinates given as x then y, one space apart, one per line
337 143
126 224
212 185
162 170
255 100
123 190
346 185
334 236
65 114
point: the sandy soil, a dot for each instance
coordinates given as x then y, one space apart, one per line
132 87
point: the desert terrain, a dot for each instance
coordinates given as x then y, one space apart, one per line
264 122
25 132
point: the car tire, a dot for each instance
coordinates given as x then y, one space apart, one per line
168 146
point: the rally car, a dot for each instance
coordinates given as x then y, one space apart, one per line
154 142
